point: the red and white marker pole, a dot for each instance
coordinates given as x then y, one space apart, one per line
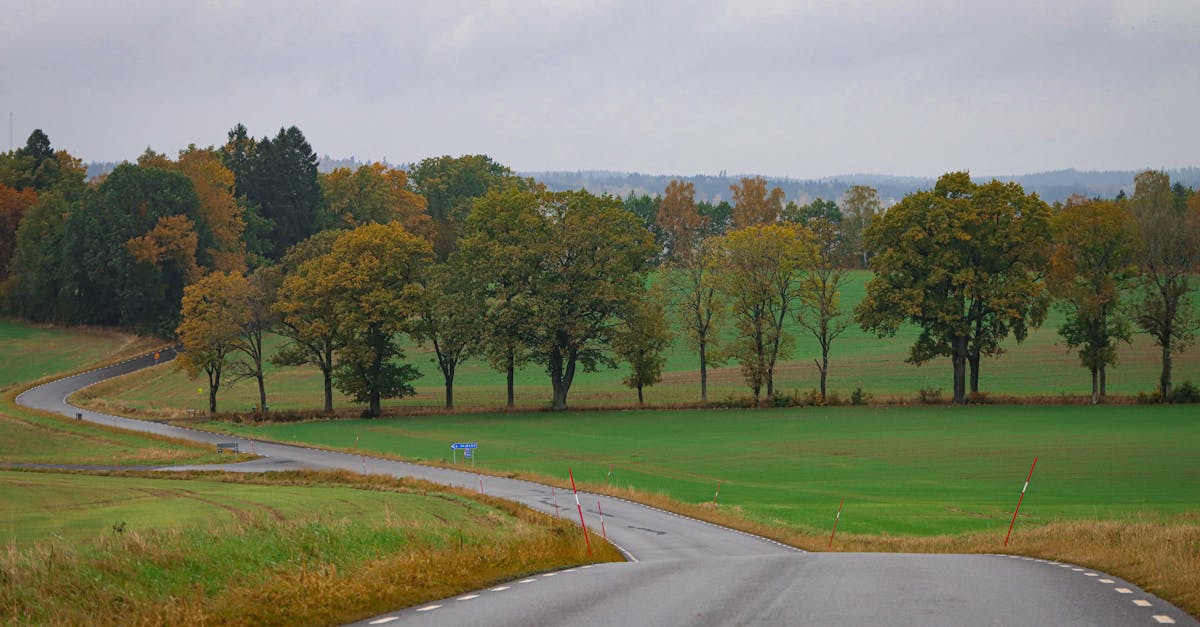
603 531
579 507
835 522
480 478
1022 498
717 493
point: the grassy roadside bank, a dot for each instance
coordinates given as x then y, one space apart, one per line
378 544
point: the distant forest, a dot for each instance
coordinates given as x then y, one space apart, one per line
1054 186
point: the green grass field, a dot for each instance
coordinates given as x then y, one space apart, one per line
1041 367
902 470
80 507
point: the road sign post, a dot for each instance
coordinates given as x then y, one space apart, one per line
467 448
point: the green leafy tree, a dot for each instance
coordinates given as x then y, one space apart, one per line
860 207
282 183
1169 254
718 217
131 249
817 209
962 263
37 166
450 186
761 270
307 311
1092 262
449 310
820 301
35 288
501 253
580 260
640 342
694 297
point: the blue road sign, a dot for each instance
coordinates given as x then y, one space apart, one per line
462 445
467 454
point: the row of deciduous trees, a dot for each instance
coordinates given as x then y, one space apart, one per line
222 245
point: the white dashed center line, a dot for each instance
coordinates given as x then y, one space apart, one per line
500 588
1124 590
1092 574
527 581
427 608
1142 603
384 620
1166 620
468 597
549 574
1105 580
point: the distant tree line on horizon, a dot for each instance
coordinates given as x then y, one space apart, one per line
222 245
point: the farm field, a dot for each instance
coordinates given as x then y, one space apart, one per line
901 470
1039 367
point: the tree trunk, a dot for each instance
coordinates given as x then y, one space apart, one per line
562 372
973 361
1095 386
214 384
703 372
448 376
959 359
510 371
327 372
823 367
641 401
1103 382
262 390
328 375
1164 379
376 408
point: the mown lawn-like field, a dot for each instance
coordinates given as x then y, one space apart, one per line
901 470
1039 367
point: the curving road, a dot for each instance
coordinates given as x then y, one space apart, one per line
687 572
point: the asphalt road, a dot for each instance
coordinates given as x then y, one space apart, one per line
687 572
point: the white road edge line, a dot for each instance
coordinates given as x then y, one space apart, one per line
1141 602
428 608
499 588
384 620
468 597
1166 620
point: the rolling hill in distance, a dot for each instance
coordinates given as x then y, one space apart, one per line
1051 186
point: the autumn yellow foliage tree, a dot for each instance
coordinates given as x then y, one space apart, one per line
372 193
753 205
211 324
761 272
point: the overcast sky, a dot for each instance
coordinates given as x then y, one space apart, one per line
784 88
